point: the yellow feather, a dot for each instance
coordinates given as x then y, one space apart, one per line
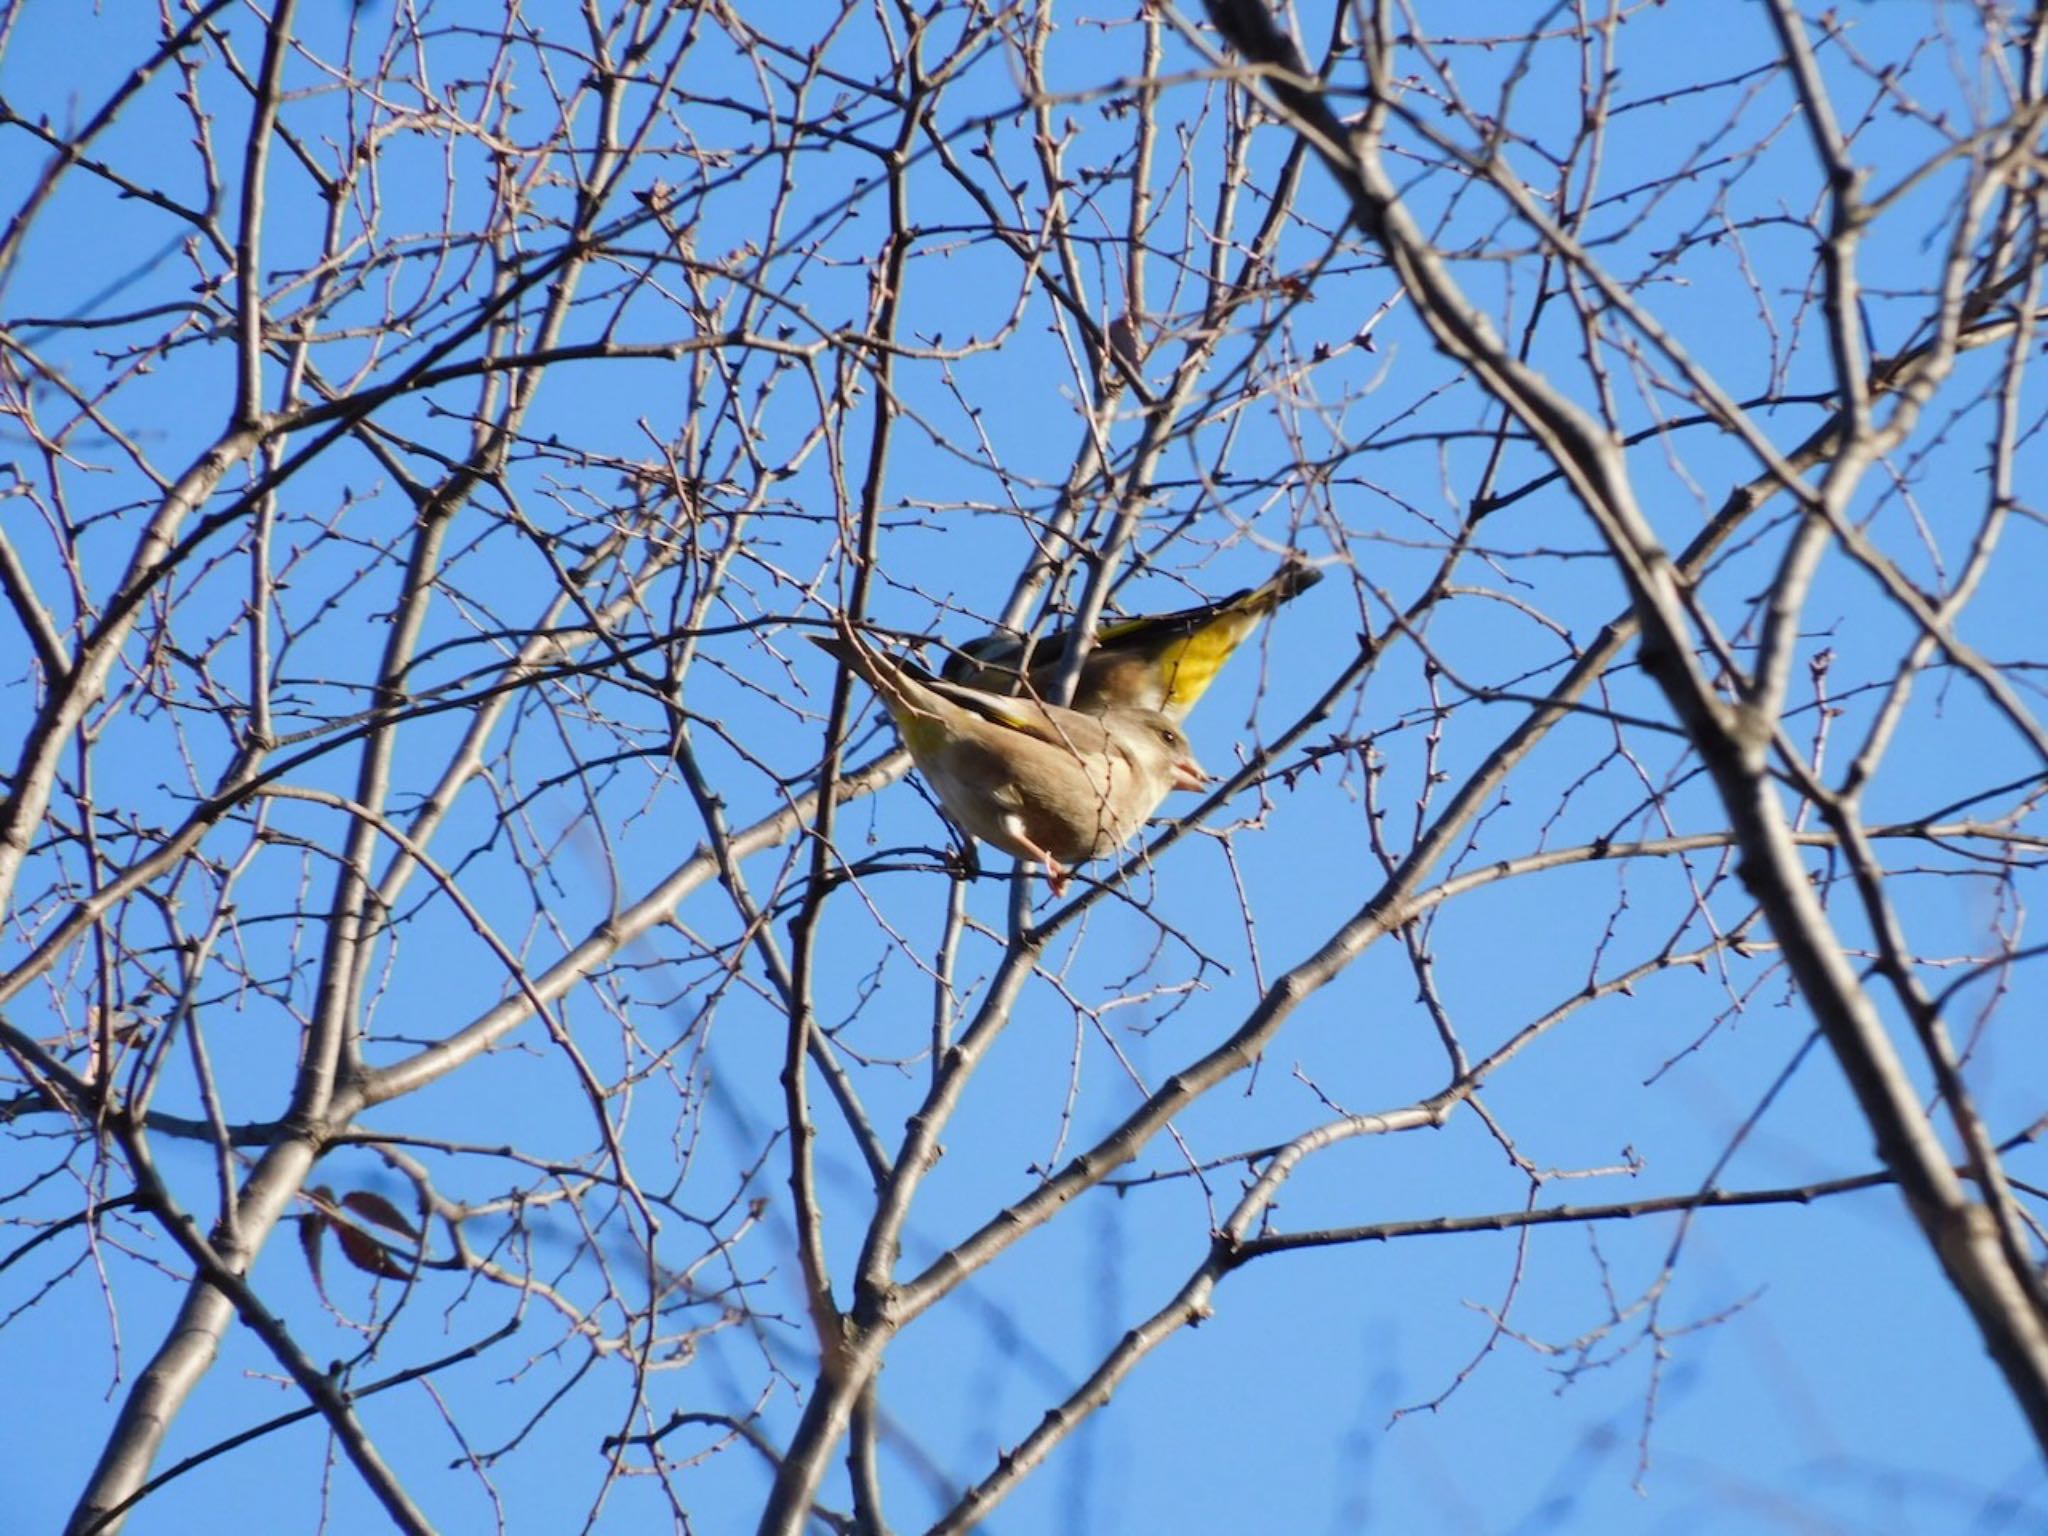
924 734
1191 665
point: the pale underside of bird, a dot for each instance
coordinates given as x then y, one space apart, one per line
1047 785
1163 662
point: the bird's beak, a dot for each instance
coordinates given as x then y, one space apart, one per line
1188 774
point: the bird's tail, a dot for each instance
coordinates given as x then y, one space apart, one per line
1294 577
1208 640
896 681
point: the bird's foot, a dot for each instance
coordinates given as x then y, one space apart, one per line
963 860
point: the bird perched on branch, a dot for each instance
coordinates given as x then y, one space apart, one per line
1050 786
1161 661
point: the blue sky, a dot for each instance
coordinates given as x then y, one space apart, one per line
1815 1373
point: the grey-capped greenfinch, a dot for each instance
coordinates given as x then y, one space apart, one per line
1160 661
1047 785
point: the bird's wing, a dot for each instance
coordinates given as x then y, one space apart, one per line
1156 633
1046 722
919 702
905 688
1190 647
1254 603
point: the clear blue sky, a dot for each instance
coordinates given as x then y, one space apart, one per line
1816 1374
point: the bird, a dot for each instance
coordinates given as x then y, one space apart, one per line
1160 661
1046 785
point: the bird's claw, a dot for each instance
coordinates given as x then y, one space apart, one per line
963 860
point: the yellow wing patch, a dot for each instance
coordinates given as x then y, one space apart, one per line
925 734
1191 665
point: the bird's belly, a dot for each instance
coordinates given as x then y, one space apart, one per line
1080 824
